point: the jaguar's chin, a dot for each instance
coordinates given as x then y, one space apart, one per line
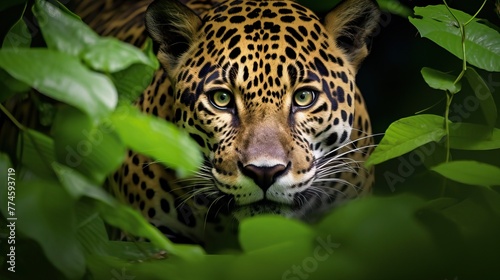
261 208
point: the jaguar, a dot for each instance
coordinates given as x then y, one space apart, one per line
266 89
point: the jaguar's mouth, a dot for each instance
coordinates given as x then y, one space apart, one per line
225 204
262 207
264 204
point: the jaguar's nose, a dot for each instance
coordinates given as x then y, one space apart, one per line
264 176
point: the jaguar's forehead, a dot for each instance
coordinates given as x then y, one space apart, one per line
283 25
278 12
280 37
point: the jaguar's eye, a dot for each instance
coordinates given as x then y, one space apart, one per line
221 99
304 98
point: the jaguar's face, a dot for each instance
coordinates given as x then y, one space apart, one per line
268 95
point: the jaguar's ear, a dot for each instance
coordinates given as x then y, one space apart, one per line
172 26
351 23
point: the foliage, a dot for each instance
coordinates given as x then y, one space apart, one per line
59 174
61 209
431 139
474 43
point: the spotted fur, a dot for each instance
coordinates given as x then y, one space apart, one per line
267 90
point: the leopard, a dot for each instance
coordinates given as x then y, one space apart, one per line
267 90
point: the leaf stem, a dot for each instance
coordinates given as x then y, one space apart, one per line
449 10
430 107
449 99
477 13
464 61
462 33
449 95
12 118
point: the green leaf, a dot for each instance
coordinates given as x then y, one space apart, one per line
36 152
439 80
431 154
78 185
148 50
395 7
111 55
45 213
441 203
407 134
104 267
131 221
61 77
131 82
18 35
484 96
482 43
10 86
158 139
60 5
491 199
369 233
92 233
95 151
273 262
472 216
352 242
91 230
63 31
255 233
468 136
132 251
470 172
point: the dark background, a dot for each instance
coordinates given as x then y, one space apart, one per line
390 77
393 87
